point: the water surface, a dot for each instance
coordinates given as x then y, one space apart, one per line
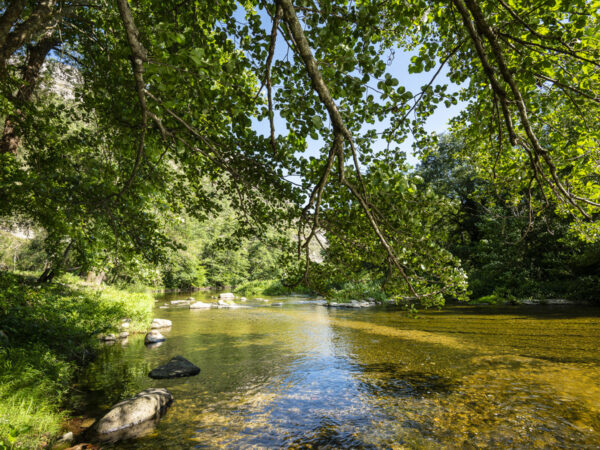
303 375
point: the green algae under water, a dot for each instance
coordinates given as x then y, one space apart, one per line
303 375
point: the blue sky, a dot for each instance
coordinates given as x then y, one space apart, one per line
437 123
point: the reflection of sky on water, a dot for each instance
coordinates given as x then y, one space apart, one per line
304 374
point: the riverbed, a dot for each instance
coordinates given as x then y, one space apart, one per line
302 375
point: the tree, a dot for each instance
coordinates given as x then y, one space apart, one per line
173 88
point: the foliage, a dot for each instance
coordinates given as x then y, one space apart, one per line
358 291
51 331
268 287
506 250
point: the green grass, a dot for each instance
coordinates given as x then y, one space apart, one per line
268 287
51 333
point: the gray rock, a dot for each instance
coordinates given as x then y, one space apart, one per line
227 304
125 325
226 295
177 367
147 405
277 304
179 302
123 334
200 305
109 337
153 337
160 323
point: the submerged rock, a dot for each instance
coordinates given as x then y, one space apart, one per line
277 304
227 304
161 323
153 337
200 305
177 367
179 302
226 295
145 406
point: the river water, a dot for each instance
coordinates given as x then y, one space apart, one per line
303 375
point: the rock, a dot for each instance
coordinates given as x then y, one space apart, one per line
123 334
200 305
226 296
179 302
153 337
109 337
227 304
147 405
161 323
277 304
125 325
177 367
243 299
191 299
163 307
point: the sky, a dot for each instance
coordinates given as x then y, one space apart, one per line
438 122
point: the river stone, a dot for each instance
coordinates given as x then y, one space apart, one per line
146 405
177 367
153 336
243 299
227 304
125 325
109 337
277 304
179 302
123 334
200 305
226 295
161 323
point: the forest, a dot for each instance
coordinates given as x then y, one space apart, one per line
277 146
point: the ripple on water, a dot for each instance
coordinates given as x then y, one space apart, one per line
304 375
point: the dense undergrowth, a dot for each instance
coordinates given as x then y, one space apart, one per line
50 332
269 287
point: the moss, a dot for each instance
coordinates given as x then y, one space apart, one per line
52 332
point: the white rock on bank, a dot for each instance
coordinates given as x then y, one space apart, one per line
226 296
146 405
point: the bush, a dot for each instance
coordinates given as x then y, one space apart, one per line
269 287
358 291
51 332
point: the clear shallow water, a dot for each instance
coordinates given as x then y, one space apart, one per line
304 375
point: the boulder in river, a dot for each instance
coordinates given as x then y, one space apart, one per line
108 337
226 296
243 299
153 337
227 304
177 367
179 302
161 323
200 305
145 406
123 334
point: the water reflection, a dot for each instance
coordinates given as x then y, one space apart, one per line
307 375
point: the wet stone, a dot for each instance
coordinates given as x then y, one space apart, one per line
177 367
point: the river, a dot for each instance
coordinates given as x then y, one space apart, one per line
304 375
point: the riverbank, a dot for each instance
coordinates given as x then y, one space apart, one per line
48 333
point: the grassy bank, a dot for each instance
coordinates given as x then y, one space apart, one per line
50 333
